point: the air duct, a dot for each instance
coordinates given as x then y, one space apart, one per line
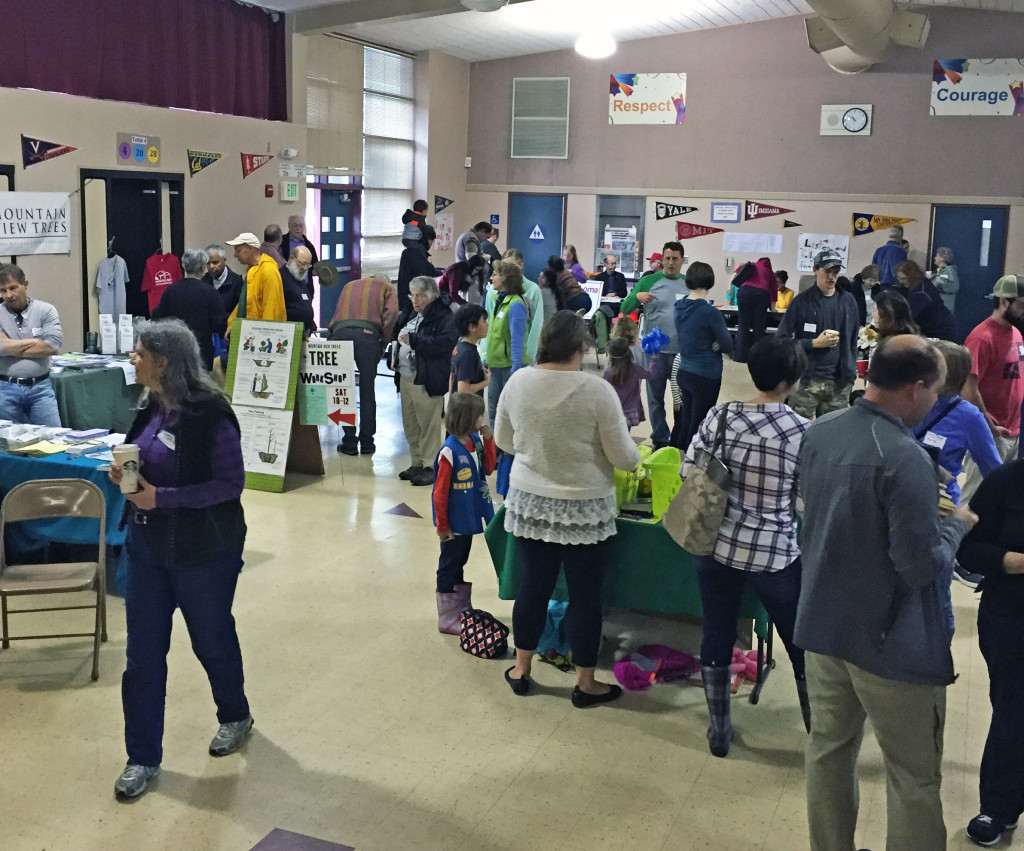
851 37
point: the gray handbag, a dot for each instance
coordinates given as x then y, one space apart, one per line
695 514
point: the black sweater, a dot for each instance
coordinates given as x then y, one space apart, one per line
999 504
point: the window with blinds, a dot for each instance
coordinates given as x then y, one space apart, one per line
388 154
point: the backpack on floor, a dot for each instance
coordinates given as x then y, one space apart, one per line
482 634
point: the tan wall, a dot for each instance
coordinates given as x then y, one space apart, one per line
442 95
218 202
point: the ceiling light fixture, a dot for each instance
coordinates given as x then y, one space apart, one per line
484 5
595 45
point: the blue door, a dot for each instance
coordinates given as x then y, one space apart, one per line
977 236
338 245
536 227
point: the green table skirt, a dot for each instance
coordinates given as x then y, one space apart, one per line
95 398
646 570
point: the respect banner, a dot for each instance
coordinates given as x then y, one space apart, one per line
35 223
647 99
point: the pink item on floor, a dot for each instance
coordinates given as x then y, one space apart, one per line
654 663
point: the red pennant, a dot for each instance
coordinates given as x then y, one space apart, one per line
757 210
685 230
251 162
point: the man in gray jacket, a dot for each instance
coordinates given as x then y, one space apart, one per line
872 617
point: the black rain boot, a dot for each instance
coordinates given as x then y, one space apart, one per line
718 694
805 704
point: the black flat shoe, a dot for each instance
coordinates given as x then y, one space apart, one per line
406 474
581 700
521 686
345 449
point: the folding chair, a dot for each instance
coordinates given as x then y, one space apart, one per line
50 499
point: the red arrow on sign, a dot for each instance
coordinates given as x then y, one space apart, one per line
335 417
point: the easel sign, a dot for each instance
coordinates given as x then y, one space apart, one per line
262 377
327 383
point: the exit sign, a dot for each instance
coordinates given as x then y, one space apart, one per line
289 190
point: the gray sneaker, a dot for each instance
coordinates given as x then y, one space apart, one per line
230 736
134 780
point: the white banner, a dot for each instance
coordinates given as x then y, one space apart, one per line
35 223
444 227
978 87
647 99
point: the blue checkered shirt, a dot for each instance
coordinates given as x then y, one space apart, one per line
758 532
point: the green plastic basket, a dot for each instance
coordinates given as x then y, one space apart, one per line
663 467
627 481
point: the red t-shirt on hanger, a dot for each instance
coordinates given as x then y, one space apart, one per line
162 270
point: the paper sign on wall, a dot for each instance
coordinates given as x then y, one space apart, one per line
810 244
444 225
134 149
977 87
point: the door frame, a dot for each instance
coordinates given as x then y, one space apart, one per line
8 171
85 175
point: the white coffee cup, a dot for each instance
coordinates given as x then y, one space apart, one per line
126 456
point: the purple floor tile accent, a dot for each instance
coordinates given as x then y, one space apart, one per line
402 510
285 840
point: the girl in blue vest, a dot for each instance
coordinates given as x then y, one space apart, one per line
462 502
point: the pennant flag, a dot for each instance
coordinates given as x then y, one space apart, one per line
685 230
669 211
786 223
441 203
251 162
198 160
757 210
868 223
35 151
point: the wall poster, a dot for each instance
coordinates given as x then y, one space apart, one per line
647 98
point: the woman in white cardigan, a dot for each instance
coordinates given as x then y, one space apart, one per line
566 430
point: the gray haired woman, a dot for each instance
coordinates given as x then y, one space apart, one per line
195 303
186 531
426 335
946 279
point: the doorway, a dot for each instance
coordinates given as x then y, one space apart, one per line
620 231
7 185
142 213
536 225
977 236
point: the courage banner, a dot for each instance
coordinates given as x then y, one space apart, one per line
977 87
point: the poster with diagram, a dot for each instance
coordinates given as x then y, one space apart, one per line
262 376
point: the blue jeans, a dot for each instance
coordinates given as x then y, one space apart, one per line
1002 764
454 555
499 378
35 404
721 590
204 592
661 366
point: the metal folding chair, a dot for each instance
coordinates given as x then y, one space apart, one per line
50 499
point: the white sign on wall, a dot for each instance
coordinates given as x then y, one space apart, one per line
35 223
810 244
977 87
444 225
647 98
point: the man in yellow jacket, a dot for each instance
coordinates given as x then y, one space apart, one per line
262 290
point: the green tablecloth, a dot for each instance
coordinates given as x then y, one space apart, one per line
95 398
646 570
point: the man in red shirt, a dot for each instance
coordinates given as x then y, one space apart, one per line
996 384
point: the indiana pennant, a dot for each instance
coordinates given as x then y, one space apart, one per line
669 211
35 151
786 223
441 203
868 223
198 160
251 162
757 210
686 230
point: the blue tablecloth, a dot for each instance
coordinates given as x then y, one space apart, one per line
33 535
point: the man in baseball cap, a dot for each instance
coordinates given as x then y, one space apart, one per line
262 295
824 321
655 261
995 384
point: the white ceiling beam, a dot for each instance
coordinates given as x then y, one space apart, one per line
337 15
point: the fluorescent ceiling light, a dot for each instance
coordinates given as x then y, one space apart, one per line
595 45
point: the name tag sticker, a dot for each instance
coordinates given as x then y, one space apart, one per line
933 439
810 328
1020 349
167 439
37 332
502 313
679 296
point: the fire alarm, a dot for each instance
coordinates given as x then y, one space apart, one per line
268 190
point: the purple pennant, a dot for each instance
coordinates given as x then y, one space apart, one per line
286 840
402 510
